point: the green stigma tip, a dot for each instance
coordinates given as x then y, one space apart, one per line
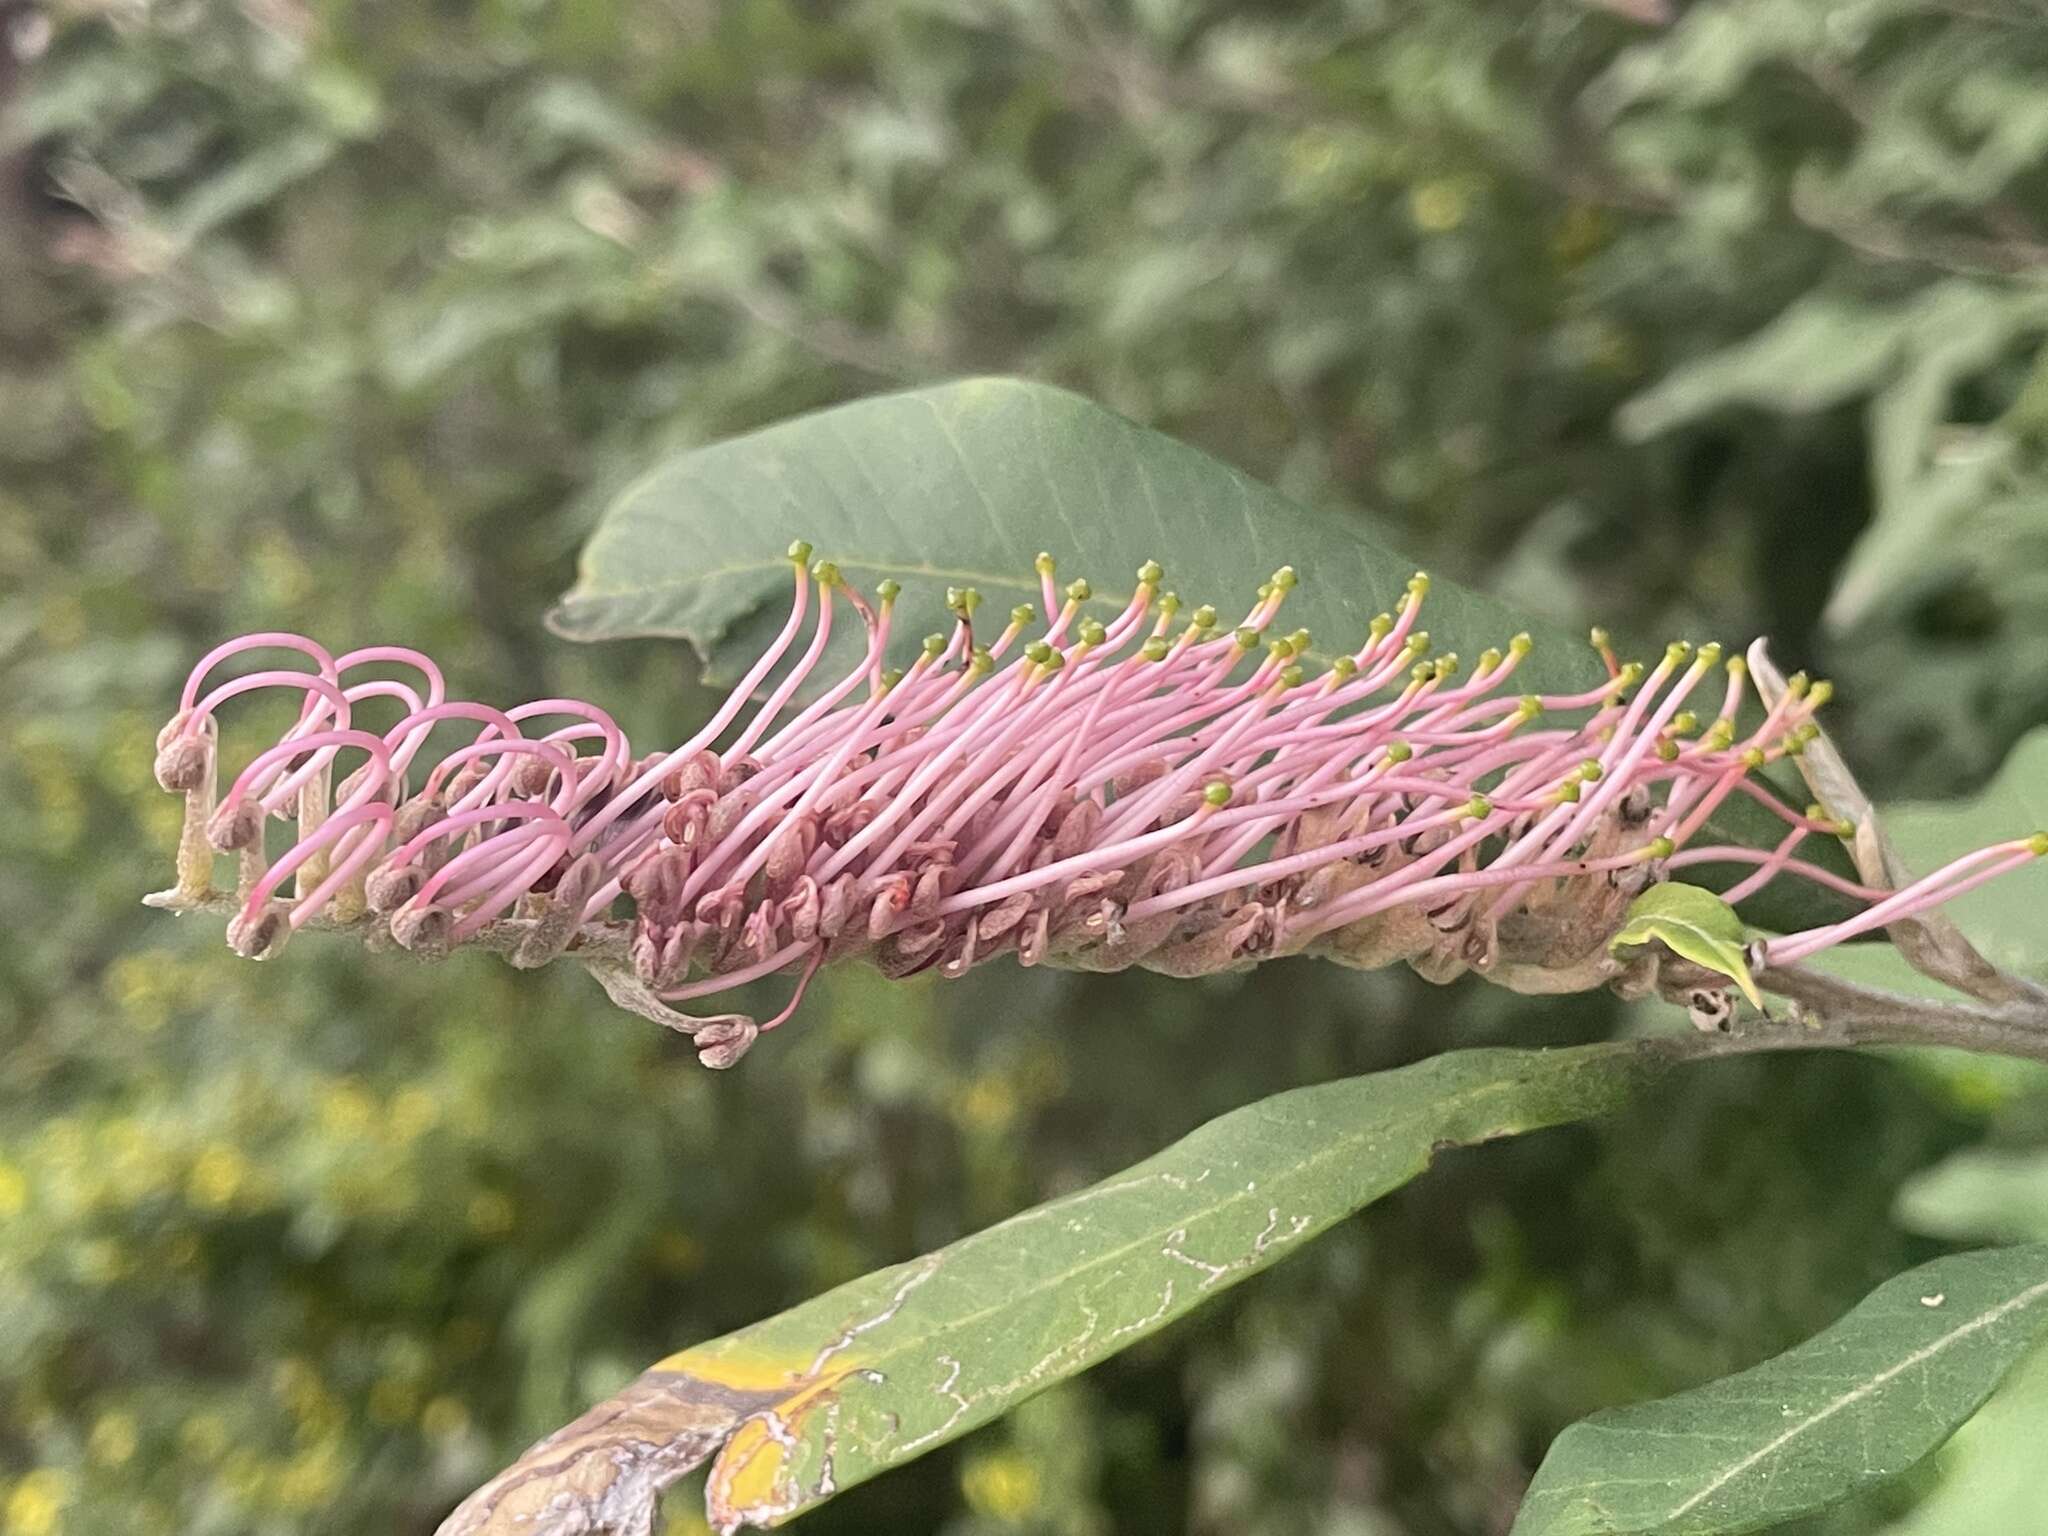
1398 752
1092 632
1291 677
800 551
1521 645
981 661
1284 579
1820 693
1661 848
1489 659
1568 791
935 646
1038 653
1246 638
1421 672
1299 640
1265 590
1045 565
1710 654
1155 649
1676 652
1667 751
889 590
891 678
1478 807
1753 759
1531 706
1280 650
1023 614
1447 665
1418 585
827 573
2037 845
1684 723
1590 770
1797 684
1418 643
962 600
1169 603
1203 617
1078 590
1381 623
1150 572
1601 640
1343 668
1217 794
1631 674
1055 661
1737 667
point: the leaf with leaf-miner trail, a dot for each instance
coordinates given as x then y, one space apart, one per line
880 1370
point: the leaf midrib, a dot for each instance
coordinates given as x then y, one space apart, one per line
1858 1393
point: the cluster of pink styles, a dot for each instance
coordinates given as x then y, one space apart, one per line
1159 790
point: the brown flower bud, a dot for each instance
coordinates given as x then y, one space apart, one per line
184 763
236 824
428 932
261 935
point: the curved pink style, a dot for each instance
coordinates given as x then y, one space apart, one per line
1150 790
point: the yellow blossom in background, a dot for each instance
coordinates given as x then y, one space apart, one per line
138 986
113 1439
1440 206
309 1480
13 1190
986 1104
217 1176
444 1418
345 1108
36 1506
414 1112
1000 1486
98 1262
136 1167
203 1436
244 1477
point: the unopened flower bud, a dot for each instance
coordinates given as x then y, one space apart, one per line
236 824
260 934
184 763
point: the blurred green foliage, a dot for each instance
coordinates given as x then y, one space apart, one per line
346 317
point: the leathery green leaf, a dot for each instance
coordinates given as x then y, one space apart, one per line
1857 1404
889 1366
963 484
1693 923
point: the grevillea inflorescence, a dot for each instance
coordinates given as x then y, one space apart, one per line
1157 790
